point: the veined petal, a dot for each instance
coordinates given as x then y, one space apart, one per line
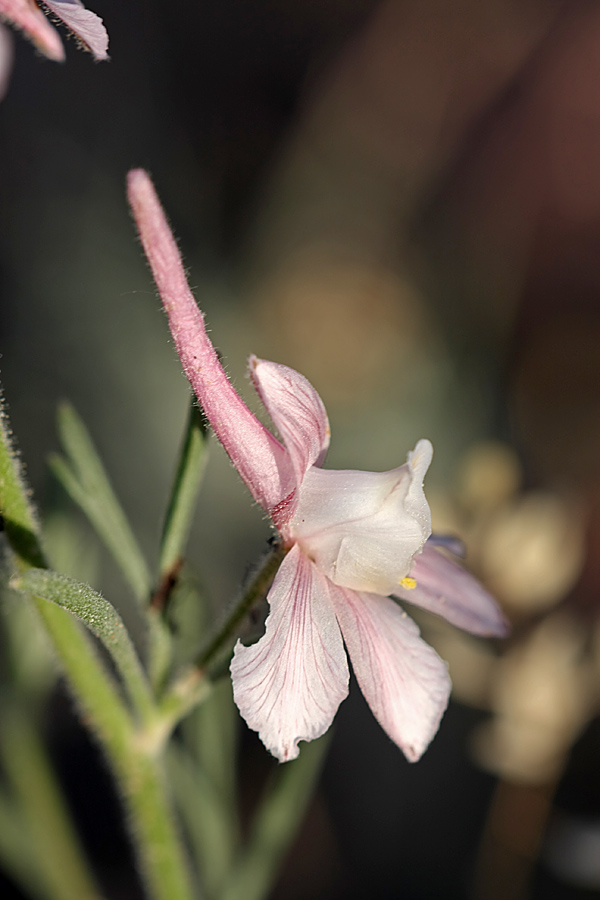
289 685
260 459
85 24
404 681
30 19
445 588
362 529
296 410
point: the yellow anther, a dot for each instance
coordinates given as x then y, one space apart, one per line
409 583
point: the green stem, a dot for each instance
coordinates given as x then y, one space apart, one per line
195 683
163 865
255 591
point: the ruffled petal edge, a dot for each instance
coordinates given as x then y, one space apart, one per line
404 681
289 684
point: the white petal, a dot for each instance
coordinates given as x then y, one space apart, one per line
296 410
447 589
362 529
85 24
289 685
404 681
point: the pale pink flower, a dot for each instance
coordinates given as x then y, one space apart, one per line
85 25
353 539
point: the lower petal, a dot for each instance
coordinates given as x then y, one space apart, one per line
404 681
85 24
444 588
289 685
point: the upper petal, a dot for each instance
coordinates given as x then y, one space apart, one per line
85 24
289 685
27 16
445 588
260 459
296 410
362 529
404 681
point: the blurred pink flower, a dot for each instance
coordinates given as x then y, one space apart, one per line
353 539
6 59
85 25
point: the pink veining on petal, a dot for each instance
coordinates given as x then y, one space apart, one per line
296 410
261 460
289 685
85 24
404 681
31 20
445 588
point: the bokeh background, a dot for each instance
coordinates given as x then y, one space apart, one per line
402 200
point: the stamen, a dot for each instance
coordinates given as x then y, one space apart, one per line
408 583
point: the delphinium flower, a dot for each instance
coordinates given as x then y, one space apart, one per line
84 24
354 540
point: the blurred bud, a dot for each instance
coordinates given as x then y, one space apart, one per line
445 514
472 663
542 699
532 552
489 474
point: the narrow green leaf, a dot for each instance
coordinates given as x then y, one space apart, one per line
207 819
102 620
84 478
188 477
88 677
18 516
276 824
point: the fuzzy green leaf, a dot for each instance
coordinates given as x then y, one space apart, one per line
102 620
16 510
84 478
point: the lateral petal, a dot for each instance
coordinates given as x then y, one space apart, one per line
296 410
261 460
86 25
289 685
30 19
445 588
404 681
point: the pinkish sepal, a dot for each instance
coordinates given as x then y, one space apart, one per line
86 25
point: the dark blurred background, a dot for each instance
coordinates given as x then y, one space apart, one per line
401 200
